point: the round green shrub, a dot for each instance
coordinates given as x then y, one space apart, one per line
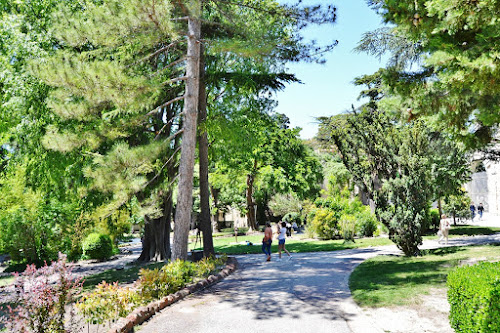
97 246
366 223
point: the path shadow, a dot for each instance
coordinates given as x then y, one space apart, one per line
313 284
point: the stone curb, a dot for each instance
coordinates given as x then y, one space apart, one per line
143 313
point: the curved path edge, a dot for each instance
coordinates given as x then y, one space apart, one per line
143 313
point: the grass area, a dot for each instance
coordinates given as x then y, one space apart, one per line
126 275
6 280
468 230
386 281
228 245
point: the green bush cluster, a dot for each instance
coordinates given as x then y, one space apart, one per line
474 297
433 219
108 302
97 246
340 216
157 283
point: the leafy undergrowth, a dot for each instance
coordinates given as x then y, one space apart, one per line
386 281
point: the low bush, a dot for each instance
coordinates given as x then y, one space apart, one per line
474 297
157 283
107 303
325 223
432 220
366 223
97 246
207 266
42 296
348 227
326 218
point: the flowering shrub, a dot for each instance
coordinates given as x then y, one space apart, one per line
42 295
107 302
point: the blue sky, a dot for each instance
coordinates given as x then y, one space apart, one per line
327 89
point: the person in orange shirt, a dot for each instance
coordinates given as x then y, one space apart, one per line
267 240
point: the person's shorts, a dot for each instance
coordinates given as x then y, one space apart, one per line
281 241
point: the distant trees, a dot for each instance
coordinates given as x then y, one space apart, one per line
272 158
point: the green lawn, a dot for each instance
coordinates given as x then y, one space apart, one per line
228 245
396 280
6 280
126 275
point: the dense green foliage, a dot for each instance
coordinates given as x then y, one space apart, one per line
340 216
90 109
455 44
400 166
474 297
458 206
97 246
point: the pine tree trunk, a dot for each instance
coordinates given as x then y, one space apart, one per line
250 204
188 145
205 222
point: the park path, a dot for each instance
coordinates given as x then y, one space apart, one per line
309 293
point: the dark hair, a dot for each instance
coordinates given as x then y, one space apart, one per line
268 224
283 224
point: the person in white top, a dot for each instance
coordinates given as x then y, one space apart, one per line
444 229
281 241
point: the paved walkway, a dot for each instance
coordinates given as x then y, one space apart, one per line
310 293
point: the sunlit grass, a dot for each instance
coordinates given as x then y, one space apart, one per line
6 280
386 281
299 243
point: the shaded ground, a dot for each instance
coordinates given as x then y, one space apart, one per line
308 294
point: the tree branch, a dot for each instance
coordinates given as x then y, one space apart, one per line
163 128
177 79
150 113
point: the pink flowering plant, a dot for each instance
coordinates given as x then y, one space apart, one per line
41 298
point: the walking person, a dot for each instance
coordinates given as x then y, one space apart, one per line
472 211
480 210
444 228
267 240
281 241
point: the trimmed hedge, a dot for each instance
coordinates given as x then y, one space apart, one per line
97 246
474 297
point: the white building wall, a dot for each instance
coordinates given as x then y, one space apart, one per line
485 187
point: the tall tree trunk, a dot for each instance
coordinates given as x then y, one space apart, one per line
188 145
156 241
205 222
252 223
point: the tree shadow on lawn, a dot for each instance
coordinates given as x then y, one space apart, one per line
388 273
472 231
